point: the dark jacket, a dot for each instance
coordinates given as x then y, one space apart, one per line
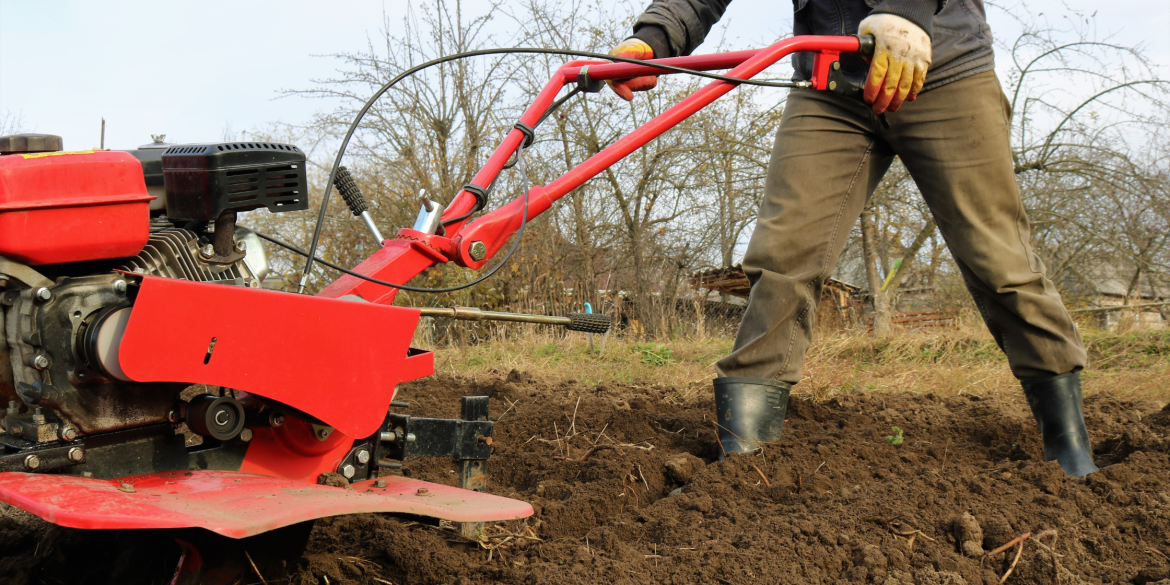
960 37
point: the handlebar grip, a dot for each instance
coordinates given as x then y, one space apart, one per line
865 45
589 322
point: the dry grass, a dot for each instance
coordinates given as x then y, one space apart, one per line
965 360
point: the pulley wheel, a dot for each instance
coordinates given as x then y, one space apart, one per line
218 417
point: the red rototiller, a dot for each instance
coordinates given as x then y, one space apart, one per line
124 280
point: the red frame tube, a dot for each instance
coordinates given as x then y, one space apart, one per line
411 252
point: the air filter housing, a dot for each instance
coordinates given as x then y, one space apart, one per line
204 180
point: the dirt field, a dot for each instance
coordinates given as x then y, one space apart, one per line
835 501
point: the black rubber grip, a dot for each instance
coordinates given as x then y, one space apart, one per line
866 44
589 322
349 191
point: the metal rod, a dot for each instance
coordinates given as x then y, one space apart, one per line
1119 307
474 314
373 227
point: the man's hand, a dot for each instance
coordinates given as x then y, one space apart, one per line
634 49
901 57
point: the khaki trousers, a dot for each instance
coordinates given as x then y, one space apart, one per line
830 153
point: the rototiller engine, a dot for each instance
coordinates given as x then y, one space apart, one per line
151 381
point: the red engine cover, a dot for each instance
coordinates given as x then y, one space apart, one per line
72 206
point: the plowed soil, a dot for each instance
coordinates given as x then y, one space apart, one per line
627 490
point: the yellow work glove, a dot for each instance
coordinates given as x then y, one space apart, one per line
635 49
901 57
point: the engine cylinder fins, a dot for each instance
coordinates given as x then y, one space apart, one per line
218 417
589 322
174 253
99 339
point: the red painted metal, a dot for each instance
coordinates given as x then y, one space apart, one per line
336 360
604 70
236 504
293 451
72 206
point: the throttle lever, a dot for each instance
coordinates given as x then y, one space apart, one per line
349 190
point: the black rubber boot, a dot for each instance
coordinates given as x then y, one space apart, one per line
1056 404
749 411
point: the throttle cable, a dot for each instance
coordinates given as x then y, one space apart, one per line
311 256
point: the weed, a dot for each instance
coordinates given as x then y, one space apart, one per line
896 439
653 354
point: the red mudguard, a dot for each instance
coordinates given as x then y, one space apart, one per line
337 360
236 504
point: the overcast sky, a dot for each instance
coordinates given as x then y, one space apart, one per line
192 69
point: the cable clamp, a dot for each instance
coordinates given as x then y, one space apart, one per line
528 131
587 84
480 195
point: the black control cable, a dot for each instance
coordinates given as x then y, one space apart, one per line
504 260
311 255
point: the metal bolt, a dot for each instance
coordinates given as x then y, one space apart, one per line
246 435
208 250
423 492
485 440
836 65
76 455
32 462
832 85
87 474
12 407
363 457
276 419
41 361
43 294
241 246
410 437
120 286
68 433
323 434
348 471
128 488
38 416
380 483
477 250
388 437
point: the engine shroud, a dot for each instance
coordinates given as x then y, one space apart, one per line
206 180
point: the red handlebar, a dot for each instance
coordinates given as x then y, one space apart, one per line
411 251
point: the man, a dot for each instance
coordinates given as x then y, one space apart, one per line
932 76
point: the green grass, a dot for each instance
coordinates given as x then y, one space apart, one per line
1134 365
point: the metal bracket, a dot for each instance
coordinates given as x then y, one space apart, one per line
841 85
587 84
30 456
473 472
411 436
430 216
352 466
